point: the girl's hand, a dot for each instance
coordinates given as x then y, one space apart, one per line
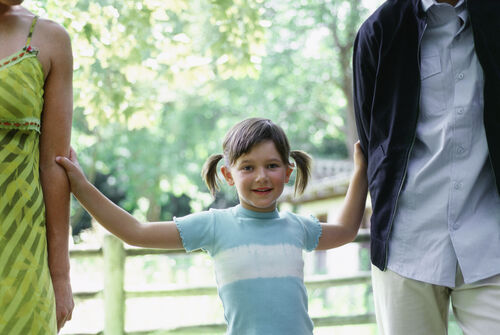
359 158
73 170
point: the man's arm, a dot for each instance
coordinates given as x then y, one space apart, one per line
365 63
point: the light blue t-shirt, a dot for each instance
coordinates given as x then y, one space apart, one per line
258 266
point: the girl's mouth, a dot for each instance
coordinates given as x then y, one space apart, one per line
263 190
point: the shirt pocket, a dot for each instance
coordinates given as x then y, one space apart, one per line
432 97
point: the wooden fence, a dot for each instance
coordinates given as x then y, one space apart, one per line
115 296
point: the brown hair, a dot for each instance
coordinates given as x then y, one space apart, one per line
243 137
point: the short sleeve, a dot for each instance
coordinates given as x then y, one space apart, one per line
197 230
310 229
312 232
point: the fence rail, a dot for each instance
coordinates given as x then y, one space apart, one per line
114 294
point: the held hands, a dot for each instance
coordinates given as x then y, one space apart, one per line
73 170
353 209
359 158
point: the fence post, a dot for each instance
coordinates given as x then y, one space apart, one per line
114 294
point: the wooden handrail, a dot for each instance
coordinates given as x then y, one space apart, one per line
314 282
114 294
363 236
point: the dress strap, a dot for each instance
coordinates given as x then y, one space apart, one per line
32 28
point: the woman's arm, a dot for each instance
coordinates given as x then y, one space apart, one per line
351 214
120 223
57 60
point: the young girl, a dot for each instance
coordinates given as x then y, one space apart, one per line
257 250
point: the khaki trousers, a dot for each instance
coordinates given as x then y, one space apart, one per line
408 307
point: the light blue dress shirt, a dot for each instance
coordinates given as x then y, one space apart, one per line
448 213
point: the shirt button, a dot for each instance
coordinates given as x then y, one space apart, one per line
460 111
460 149
460 76
457 186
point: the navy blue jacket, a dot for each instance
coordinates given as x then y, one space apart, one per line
386 99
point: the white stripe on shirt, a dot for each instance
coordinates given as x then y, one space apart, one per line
258 261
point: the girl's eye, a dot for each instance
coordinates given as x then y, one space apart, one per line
246 168
273 166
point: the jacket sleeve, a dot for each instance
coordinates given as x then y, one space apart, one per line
365 64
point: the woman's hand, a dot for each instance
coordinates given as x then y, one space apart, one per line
64 300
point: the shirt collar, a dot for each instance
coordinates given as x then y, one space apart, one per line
460 9
426 4
256 215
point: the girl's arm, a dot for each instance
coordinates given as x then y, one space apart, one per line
57 61
351 214
120 223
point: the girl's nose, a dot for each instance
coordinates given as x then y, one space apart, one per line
261 174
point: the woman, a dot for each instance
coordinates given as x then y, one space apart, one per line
35 124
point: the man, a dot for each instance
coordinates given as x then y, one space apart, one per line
427 104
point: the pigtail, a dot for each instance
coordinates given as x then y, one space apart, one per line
209 173
303 162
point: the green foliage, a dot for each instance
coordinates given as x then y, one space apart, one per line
158 83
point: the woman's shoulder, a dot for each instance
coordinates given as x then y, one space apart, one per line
18 20
51 33
54 45
46 27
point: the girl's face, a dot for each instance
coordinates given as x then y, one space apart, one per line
259 177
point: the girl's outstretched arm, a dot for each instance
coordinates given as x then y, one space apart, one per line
351 214
115 219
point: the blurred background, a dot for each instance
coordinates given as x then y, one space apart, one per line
156 86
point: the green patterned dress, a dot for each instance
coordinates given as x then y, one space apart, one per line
27 304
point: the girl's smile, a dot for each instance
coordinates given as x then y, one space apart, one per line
259 177
263 190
